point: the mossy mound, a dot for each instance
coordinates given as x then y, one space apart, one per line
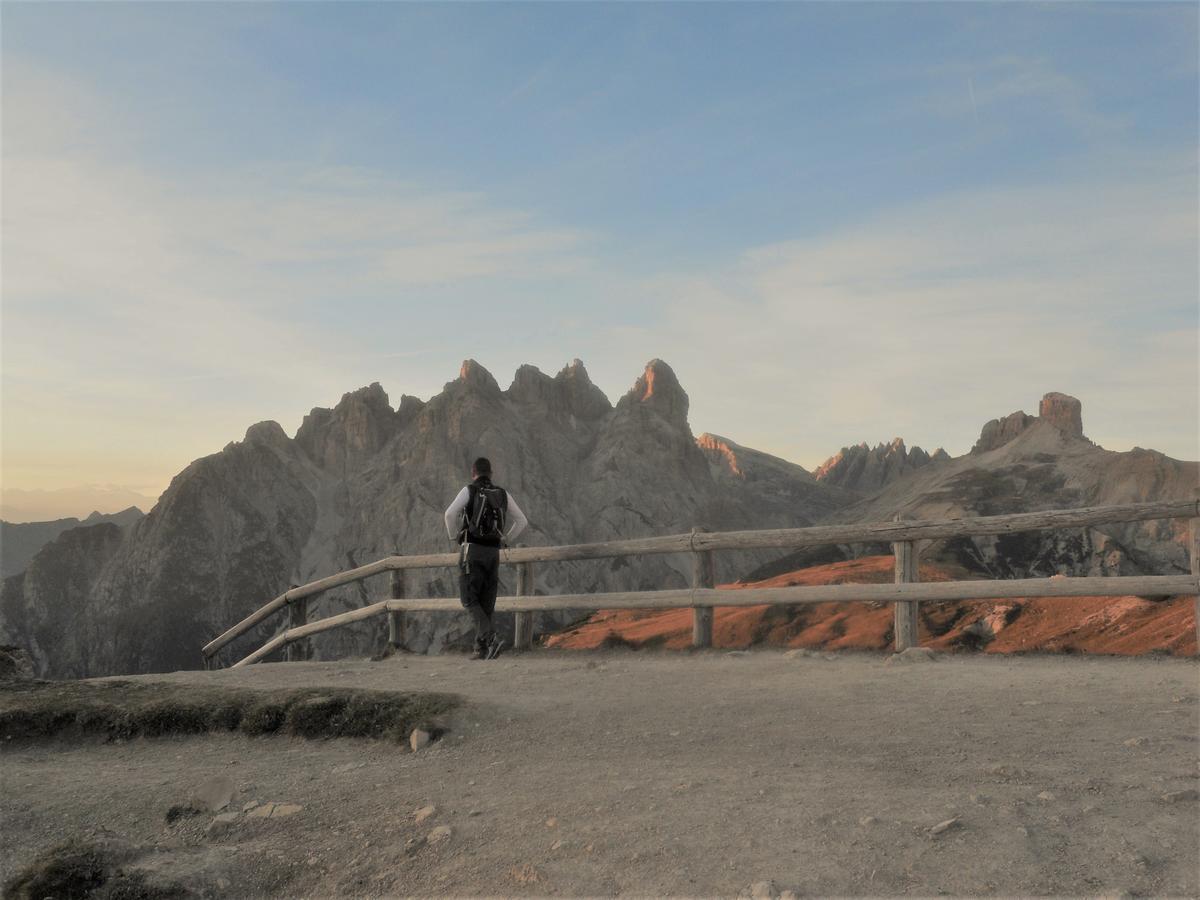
86 871
114 710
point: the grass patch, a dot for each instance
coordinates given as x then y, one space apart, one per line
113 710
83 871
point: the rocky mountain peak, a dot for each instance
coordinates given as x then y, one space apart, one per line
1062 411
570 392
350 433
475 376
658 389
270 433
863 468
722 448
584 399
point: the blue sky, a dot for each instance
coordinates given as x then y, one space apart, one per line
838 222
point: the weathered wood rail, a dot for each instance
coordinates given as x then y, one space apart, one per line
906 593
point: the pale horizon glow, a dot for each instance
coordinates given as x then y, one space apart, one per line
837 223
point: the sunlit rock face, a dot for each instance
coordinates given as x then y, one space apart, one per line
1024 463
1059 411
363 480
867 469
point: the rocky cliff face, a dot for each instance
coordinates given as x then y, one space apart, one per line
1061 412
867 469
1024 463
20 542
364 480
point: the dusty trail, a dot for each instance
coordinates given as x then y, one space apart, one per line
683 774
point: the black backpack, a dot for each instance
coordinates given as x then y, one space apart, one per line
485 513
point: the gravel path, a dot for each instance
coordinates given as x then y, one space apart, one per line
674 774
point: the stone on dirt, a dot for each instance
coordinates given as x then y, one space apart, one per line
942 827
1180 796
1047 796
439 834
419 739
420 815
911 655
215 793
221 823
261 812
763 890
1135 741
285 809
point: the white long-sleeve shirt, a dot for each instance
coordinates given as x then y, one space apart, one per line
516 519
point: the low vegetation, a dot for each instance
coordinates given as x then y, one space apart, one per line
115 710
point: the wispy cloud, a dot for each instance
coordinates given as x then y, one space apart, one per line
130 289
928 320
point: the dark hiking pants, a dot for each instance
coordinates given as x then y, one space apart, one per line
478 579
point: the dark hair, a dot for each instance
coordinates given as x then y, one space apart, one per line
482 466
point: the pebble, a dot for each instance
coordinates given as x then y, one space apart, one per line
215 793
867 820
941 827
763 890
439 834
420 815
1047 796
1135 741
285 809
552 822
911 655
261 812
1180 796
419 739
557 845
221 822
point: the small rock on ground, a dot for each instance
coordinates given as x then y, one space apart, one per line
1180 796
941 827
439 834
420 815
221 822
285 809
911 655
419 739
261 812
215 793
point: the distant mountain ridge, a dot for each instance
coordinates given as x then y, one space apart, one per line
867 469
363 480
20 541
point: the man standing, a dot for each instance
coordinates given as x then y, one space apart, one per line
482 518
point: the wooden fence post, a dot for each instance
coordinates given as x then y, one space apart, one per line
395 622
703 576
297 651
1194 554
906 610
523 621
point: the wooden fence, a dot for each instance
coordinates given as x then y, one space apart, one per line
906 593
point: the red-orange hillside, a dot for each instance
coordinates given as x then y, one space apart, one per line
1121 625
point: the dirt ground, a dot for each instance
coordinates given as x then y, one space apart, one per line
658 773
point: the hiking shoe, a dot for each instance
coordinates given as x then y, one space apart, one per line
494 647
481 650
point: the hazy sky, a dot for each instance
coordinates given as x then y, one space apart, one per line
837 222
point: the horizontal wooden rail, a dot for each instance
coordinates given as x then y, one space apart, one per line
1144 585
766 539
